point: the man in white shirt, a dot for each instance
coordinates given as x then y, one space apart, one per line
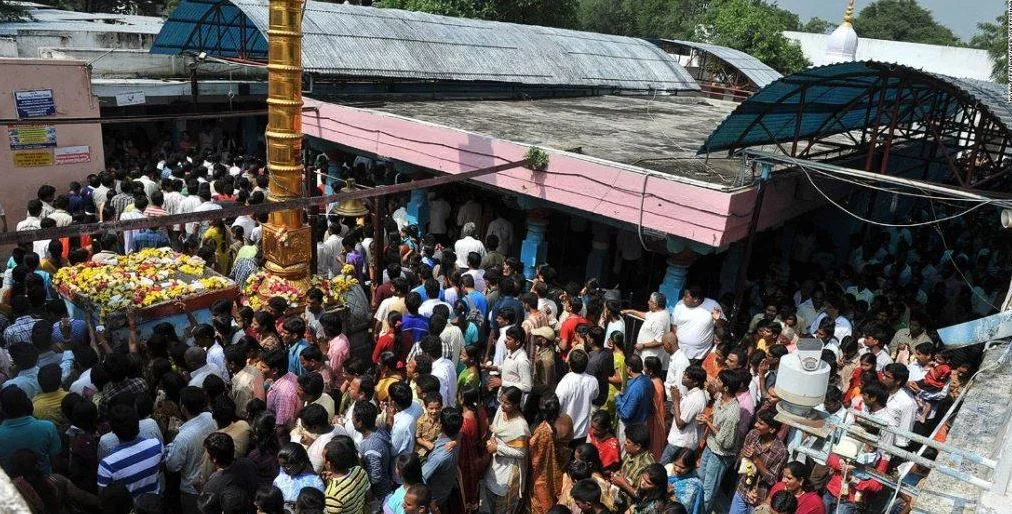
656 323
467 244
684 431
900 406
189 204
832 311
676 368
575 391
873 342
695 318
205 205
808 310
439 212
137 213
34 219
516 367
503 229
470 212
442 368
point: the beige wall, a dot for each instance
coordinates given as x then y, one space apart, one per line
72 96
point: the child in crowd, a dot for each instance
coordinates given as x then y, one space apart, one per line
428 427
866 363
935 371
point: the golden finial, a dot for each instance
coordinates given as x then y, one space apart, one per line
848 15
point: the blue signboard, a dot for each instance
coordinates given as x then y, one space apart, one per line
34 103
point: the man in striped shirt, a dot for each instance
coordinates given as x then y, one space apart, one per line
348 485
134 463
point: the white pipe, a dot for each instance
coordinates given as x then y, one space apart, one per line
762 155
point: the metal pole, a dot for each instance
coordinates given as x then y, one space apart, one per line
377 237
739 286
882 426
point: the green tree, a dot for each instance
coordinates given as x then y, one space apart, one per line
607 17
668 19
547 13
754 27
818 25
10 11
993 37
458 8
902 20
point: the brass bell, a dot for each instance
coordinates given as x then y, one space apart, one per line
353 208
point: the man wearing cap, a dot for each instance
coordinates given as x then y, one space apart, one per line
544 365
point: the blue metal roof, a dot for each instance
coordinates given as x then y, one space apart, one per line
367 42
749 66
836 98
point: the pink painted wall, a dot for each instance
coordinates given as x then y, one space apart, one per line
71 85
671 206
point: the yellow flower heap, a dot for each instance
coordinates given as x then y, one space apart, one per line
141 279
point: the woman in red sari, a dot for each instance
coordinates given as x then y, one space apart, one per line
473 456
655 423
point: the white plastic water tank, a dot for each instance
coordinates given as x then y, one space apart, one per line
802 377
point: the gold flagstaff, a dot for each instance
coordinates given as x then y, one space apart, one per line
286 239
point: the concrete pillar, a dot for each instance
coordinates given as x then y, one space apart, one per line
534 248
676 275
418 209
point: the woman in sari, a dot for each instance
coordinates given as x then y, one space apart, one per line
658 435
546 470
684 483
616 383
504 481
473 459
267 335
470 375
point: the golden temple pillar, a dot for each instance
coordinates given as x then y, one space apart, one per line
286 239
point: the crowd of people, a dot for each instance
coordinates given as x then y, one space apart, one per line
479 390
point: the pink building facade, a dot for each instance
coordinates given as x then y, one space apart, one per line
35 92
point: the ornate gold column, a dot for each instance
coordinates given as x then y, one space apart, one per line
286 239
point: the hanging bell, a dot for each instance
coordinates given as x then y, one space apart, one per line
351 208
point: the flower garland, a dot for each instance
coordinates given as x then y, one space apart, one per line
262 286
141 279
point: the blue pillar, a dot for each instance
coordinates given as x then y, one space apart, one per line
674 280
418 209
534 247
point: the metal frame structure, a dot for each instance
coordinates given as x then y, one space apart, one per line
869 109
722 70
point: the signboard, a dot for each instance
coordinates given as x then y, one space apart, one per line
135 98
72 154
988 328
25 137
33 158
34 103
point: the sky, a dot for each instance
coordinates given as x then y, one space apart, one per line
960 16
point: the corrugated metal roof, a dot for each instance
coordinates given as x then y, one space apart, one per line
749 66
355 41
804 104
47 19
